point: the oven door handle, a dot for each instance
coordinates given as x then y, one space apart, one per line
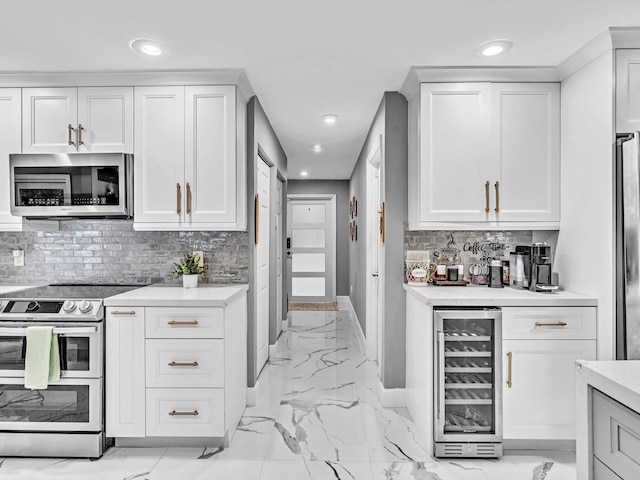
22 331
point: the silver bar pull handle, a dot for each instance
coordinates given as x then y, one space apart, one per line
551 324
178 322
118 312
69 130
194 413
22 331
183 364
440 392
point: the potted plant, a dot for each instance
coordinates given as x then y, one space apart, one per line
189 268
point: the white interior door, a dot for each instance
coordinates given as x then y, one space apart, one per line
279 236
375 252
311 253
262 265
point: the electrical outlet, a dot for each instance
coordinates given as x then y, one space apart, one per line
200 255
18 258
350 288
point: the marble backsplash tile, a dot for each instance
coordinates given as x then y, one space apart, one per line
110 251
472 245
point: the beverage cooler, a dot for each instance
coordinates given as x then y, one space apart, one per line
468 395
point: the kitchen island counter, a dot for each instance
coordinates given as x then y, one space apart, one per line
172 295
619 380
483 296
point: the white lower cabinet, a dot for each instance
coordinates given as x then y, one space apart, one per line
185 412
124 372
539 348
176 371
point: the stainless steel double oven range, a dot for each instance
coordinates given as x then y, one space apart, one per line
67 418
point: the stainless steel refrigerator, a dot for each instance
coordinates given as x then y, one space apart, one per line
627 245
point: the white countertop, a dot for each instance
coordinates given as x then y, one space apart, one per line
481 295
14 288
620 379
170 295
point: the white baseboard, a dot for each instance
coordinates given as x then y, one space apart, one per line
345 303
252 393
392 397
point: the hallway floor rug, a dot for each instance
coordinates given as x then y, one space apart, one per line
313 307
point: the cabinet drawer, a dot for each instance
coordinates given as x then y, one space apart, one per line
616 436
549 323
185 412
184 322
185 363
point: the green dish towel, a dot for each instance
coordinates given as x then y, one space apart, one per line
42 361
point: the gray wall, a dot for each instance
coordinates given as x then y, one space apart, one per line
110 251
262 140
341 189
390 122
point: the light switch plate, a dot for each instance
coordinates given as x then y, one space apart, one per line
200 255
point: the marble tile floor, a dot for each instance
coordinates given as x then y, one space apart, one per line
318 416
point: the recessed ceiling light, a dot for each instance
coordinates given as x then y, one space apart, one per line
330 118
304 173
493 48
316 148
147 47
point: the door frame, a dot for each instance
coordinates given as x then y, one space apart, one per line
264 236
330 221
375 303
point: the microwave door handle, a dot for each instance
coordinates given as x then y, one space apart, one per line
22 331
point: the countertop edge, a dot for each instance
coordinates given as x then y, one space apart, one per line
124 300
553 299
609 386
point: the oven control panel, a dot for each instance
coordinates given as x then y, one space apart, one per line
39 308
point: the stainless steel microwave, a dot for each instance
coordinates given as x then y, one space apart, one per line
72 185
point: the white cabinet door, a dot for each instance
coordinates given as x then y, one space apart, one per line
454 160
49 120
627 90
159 155
125 372
105 119
210 155
540 402
10 139
525 179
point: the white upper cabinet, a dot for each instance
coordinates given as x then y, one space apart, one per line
210 155
105 119
10 138
454 146
627 90
486 153
70 120
526 162
159 154
187 170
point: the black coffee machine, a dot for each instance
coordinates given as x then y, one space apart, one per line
540 279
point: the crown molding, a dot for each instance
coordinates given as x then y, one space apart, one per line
419 75
109 78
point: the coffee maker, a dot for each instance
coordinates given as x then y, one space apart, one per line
540 278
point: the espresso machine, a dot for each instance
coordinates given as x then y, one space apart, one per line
530 268
540 280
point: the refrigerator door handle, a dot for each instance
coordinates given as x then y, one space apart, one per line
631 252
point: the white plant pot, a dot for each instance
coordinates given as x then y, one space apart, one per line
190 281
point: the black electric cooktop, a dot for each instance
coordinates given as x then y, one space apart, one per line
65 291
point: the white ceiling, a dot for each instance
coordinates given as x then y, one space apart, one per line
303 58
